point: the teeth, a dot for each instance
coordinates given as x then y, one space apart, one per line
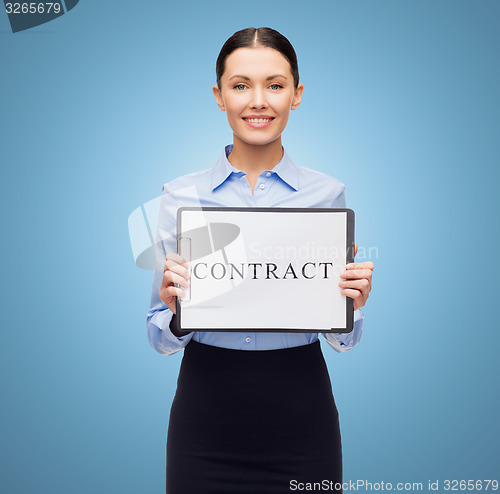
258 120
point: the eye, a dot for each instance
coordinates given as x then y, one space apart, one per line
239 86
278 86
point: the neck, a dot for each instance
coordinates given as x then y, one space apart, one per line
253 160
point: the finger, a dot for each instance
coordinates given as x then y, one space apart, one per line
355 249
356 296
180 269
173 291
357 273
173 256
169 277
360 265
362 285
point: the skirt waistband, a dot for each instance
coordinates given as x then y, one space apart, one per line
213 353
210 364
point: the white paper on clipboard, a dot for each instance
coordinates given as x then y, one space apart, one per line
269 269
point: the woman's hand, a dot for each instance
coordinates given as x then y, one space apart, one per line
175 270
360 281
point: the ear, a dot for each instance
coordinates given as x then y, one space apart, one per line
297 96
218 97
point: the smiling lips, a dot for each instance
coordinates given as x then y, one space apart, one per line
258 121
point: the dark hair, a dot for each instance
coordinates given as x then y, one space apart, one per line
252 37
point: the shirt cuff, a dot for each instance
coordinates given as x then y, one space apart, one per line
341 342
161 337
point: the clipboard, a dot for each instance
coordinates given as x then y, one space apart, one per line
265 269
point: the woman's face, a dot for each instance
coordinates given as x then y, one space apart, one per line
257 92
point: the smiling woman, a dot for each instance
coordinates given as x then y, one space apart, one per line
257 86
270 97
253 412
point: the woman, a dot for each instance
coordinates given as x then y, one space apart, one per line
253 412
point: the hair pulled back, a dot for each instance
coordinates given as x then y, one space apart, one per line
252 37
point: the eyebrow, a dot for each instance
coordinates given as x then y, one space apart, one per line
267 79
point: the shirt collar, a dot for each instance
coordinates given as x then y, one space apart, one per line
286 169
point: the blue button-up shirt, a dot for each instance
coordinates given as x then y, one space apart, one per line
285 185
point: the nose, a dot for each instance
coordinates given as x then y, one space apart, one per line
258 98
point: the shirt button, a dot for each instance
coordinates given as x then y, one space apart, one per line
261 186
268 174
248 339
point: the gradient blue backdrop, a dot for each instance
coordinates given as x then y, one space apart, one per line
102 106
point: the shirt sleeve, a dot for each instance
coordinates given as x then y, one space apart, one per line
159 316
342 342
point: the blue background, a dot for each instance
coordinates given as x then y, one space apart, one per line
103 105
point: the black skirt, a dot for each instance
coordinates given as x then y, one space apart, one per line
252 421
